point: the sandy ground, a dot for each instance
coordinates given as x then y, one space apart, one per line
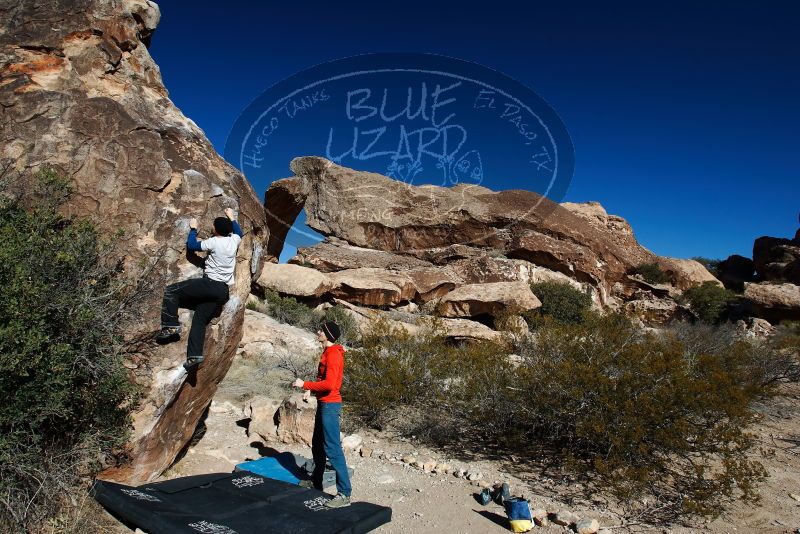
427 503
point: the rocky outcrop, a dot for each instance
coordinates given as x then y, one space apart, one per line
372 287
334 254
457 329
266 338
473 300
735 271
773 301
295 419
262 414
686 273
372 211
445 238
777 259
293 280
755 327
283 202
82 94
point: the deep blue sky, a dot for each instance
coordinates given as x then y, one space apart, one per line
685 116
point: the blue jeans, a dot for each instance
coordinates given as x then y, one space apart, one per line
326 444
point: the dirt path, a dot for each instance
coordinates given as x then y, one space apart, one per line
432 503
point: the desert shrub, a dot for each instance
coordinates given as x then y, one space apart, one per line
393 369
350 335
709 301
560 301
290 311
66 395
773 360
639 416
647 415
652 273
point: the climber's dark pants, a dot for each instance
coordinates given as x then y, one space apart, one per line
206 296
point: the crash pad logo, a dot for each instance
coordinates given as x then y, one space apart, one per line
418 118
139 495
316 505
247 482
211 528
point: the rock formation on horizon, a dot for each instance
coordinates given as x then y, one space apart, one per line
81 93
389 244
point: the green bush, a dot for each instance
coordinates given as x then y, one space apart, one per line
709 301
653 416
560 301
290 311
661 418
66 395
393 369
350 335
652 273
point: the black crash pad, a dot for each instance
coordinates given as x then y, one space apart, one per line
234 503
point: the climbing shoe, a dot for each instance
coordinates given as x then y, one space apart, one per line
308 484
168 334
340 501
192 362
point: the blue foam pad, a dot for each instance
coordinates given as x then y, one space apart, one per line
279 467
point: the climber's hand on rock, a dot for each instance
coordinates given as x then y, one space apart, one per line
298 383
193 224
229 213
306 395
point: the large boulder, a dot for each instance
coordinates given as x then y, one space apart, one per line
777 259
295 419
773 302
457 329
82 95
686 274
336 255
372 287
294 280
269 339
283 202
433 282
487 299
651 310
735 270
263 413
372 211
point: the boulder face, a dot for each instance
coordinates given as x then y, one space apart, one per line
686 273
293 280
372 287
773 301
777 259
82 95
295 418
444 239
735 270
487 299
372 211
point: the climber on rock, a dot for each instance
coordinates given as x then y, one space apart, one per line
207 294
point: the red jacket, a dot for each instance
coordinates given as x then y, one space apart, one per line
329 375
